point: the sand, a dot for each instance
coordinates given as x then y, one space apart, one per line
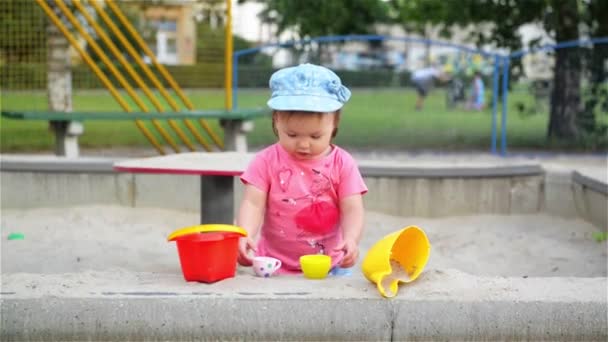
89 239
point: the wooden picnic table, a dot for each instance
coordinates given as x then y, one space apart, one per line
216 170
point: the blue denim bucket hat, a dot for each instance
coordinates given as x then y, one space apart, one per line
307 87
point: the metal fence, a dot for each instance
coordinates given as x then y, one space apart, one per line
528 75
518 85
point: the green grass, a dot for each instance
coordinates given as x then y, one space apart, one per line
373 119
600 236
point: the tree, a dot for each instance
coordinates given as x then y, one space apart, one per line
210 46
314 18
132 14
566 92
22 36
496 23
596 98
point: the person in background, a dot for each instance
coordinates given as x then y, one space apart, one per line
477 99
303 194
424 79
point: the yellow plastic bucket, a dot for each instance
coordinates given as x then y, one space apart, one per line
399 257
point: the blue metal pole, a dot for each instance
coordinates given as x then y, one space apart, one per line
505 92
495 91
235 80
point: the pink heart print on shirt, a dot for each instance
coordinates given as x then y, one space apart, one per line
320 184
318 218
284 178
321 216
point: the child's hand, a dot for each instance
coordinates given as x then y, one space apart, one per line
245 245
351 252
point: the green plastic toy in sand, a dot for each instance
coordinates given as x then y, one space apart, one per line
16 236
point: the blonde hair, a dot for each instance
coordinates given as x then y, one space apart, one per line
290 113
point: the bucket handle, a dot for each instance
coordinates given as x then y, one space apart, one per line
207 228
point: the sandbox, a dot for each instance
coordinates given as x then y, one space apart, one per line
104 270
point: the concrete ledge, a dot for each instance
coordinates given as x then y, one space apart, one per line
23 163
588 182
397 188
368 169
27 189
441 305
558 195
591 199
438 306
439 191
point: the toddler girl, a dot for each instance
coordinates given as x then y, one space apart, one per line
303 194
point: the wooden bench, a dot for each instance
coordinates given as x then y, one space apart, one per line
68 125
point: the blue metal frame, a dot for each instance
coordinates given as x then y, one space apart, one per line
499 60
495 89
505 86
520 54
329 39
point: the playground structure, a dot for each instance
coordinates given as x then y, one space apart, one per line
68 126
499 65
141 83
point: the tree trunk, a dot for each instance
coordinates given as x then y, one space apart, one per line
596 99
566 93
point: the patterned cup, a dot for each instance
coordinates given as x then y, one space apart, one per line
265 266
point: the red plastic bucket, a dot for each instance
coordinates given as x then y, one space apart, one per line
208 257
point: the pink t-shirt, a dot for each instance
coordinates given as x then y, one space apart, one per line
303 202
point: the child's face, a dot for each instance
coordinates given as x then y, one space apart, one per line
305 135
